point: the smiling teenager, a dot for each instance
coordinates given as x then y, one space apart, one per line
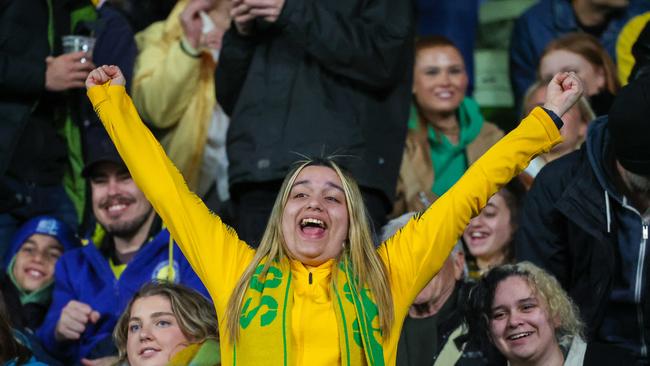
488 237
524 313
27 283
168 324
316 291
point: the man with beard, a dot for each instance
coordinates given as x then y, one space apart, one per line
93 284
586 221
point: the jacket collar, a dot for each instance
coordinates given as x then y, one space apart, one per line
563 15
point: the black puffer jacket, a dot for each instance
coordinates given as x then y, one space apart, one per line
577 226
329 77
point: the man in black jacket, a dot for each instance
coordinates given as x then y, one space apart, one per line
586 221
33 152
312 78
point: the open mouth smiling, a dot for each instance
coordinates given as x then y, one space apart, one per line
312 226
516 336
35 273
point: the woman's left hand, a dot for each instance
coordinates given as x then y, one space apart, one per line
563 92
103 74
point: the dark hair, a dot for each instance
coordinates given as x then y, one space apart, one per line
513 195
479 305
10 348
424 42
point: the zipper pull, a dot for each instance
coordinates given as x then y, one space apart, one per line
645 232
310 278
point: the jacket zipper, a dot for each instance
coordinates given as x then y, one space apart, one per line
310 278
639 280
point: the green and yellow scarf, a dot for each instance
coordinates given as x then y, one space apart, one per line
266 315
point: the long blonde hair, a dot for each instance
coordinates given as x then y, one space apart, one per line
368 269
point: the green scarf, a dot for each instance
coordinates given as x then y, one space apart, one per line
266 316
199 354
41 296
449 161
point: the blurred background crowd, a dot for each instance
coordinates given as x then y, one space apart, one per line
406 94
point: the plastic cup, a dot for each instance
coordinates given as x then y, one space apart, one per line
73 43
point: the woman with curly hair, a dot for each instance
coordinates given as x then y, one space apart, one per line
524 313
168 324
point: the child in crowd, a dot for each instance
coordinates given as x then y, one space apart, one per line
28 279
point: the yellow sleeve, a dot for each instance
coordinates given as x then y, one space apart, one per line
212 248
164 77
416 253
626 39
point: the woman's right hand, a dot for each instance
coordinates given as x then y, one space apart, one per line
103 74
242 17
191 20
563 92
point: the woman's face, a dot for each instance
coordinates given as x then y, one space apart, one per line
154 335
315 217
488 235
35 260
440 80
592 76
520 326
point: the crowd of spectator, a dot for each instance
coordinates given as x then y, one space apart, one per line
105 265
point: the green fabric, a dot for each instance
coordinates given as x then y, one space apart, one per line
449 161
86 13
41 296
208 354
203 354
266 315
74 183
50 25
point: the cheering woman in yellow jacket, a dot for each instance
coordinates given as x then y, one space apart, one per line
317 291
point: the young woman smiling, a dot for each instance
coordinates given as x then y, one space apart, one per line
316 291
488 237
524 313
168 324
446 131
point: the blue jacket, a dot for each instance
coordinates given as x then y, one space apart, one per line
576 225
85 275
547 20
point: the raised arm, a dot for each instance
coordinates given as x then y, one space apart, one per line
416 253
212 248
